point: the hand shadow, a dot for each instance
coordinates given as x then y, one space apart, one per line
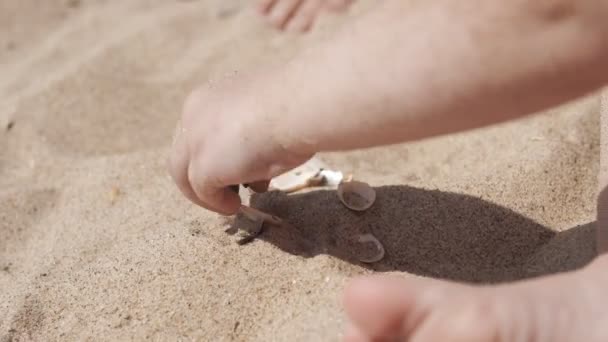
431 233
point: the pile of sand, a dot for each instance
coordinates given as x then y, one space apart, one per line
96 242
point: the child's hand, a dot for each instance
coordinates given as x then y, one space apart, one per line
223 139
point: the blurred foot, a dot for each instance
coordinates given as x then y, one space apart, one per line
297 15
561 308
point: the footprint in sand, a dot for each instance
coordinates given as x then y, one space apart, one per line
19 214
25 322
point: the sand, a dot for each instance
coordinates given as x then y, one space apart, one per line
96 242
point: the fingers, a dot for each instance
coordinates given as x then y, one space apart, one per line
282 11
178 164
305 16
212 193
209 195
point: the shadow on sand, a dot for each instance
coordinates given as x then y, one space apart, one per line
431 233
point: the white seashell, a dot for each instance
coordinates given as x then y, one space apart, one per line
332 178
365 238
312 174
298 178
356 195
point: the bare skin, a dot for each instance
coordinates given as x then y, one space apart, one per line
561 308
404 72
297 15
602 205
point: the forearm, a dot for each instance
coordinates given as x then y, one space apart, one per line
407 72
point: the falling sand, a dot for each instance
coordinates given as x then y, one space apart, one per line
97 243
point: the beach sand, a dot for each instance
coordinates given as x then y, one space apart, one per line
97 243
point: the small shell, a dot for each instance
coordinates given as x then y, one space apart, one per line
331 178
258 215
312 181
298 177
356 195
247 237
363 238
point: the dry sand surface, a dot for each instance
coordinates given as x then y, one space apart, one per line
96 242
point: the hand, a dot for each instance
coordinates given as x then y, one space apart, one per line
226 137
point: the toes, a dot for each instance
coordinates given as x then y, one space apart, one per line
282 11
477 321
297 15
303 19
424 310
353 334
389 307
264 6
337 5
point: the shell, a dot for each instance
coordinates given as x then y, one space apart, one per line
258 215
247 237
331 178
355 195
364 238
312 181
298 177
294 182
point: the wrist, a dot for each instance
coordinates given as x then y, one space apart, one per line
267 122
284 112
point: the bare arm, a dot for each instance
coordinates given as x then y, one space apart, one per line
410 71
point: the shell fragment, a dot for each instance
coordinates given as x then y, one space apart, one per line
258 215
313 173
355 195
366 238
